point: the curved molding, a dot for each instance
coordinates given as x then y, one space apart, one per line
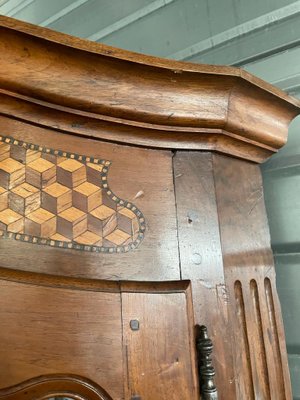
99 285
124 97
48 386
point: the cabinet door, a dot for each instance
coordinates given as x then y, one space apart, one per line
95 339
159 350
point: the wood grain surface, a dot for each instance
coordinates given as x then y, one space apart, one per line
201 257
150 95
47 330
161 354
131 332
77 327
55 203
261 369
132 170
58 385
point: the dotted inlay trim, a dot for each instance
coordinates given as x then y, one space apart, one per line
131 230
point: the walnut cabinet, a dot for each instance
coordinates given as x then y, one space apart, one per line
132 215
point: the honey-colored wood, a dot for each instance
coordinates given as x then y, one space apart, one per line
40 173
3 198
57 385
61 206
259 347
4 151
12 173
24 199
40 223
164 103
132 170
87 196
56 198
46 330
164 329
201 257
80 327
11 221
73 318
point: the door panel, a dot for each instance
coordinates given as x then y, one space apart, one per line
46 330
159 352
126 338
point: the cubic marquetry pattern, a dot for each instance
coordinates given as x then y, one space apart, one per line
61 199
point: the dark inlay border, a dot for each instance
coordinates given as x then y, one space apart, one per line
103 185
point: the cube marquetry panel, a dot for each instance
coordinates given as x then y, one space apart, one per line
102 219
32 155
92 172
71 173
89 237
71 222
127 221
23 155
41 223
18 153
40 173
4 151
11 221
62 199
87 197
24 198
56 198
60 238
54 159
117 238
3 198
12 173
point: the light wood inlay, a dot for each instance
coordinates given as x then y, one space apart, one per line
40 223
71 173
102 219
118 237
60 238
40 173
102 212
71 222
56 198
89 238
11 221
65 200
24 199
87 196
4 151
3 198
12 173
72 214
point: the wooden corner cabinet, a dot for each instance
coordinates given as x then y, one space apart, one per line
135 259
